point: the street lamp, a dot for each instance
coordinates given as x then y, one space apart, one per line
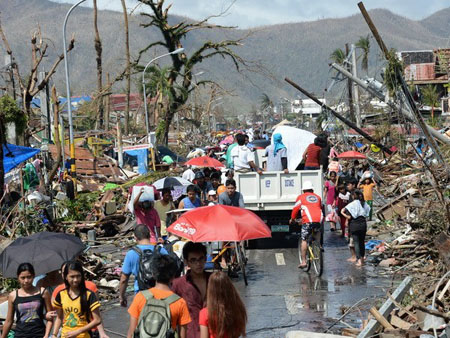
69 102
147 126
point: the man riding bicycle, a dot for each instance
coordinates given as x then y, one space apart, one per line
310 205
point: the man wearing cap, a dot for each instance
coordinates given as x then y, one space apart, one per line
212 197
202 186
310 205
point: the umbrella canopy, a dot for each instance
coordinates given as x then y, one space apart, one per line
46 251
170 182
219 223
352 155
227 140
205 162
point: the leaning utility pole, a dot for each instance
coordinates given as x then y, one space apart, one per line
355 89
340 117
380 95
404 87
349 88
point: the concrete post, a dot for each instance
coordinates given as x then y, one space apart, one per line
355 88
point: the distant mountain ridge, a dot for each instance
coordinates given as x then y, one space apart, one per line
296 50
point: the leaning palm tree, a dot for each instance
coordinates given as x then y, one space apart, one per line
265 103
364 44
338 56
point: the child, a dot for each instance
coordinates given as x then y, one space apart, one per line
330 193
225 314
28 304
77 308
367 188
342 199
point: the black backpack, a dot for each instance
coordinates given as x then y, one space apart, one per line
145 276
180 265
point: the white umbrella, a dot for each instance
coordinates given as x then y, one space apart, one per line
170 182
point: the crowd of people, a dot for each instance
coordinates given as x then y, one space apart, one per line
198 304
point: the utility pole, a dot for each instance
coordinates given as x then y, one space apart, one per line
355 88
119 143
350 89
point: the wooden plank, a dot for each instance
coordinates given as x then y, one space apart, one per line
381 319
400 323
387 307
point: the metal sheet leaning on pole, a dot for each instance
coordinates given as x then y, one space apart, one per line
340 117
431 141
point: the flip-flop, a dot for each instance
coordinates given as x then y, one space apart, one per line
302 266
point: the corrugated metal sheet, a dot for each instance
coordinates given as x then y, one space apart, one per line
419 56
420 72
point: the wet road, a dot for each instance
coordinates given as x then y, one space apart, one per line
280 297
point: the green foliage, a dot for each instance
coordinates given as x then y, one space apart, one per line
265 101
11 113
160 130
9 284
394 68
430 96
79 208
338 56
364 44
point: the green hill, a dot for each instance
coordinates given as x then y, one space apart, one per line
297 50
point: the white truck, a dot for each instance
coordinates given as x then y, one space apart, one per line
272 197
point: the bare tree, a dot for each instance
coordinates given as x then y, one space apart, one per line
29 85
98 59
58 142
182 64
128 68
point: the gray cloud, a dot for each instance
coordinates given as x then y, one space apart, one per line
251 13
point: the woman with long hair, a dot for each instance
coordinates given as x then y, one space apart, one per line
28 304
77 308
356 212
225 315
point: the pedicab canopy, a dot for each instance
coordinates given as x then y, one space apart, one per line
219 223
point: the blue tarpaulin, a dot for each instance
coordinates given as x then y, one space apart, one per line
142 157
14 155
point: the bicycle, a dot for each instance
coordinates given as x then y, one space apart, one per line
314 254
235 257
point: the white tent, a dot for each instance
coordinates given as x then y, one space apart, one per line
296 141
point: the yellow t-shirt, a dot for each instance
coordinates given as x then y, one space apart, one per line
162 213
73 319
367 191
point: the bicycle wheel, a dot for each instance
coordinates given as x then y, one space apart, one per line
241 262
308 259
317 260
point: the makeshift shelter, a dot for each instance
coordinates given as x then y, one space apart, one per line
296 141
14 155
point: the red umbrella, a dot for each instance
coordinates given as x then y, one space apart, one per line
205 161
219 223
352 155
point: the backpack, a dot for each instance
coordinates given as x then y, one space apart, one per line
155 320
180 265
145 278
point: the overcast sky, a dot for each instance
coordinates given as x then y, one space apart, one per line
251 13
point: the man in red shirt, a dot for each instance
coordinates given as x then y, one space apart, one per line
310 206
311 156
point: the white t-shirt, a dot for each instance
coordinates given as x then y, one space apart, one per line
241 155
189 175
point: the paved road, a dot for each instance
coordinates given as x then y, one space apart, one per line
281 298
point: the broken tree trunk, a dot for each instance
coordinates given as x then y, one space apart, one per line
340 117
56 136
